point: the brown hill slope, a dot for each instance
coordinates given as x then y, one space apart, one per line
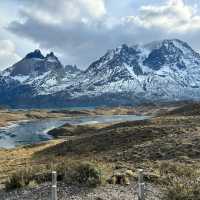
188 109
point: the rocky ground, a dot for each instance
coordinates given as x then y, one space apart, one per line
109 192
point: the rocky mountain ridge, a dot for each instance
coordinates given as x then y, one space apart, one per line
167 70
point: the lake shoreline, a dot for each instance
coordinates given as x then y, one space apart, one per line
13 116
33 131
9 118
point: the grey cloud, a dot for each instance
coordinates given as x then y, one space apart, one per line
8 53
82 42
79 42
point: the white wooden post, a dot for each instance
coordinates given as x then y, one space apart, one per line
141 185
54 186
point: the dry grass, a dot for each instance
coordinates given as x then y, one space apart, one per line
181 181
16 159
138 143
72 172
128 145
7 116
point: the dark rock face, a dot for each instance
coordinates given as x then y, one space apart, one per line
51 54
114 63
35 63
155 60
167 54
36 54
26 67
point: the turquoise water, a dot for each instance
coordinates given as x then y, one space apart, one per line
30 132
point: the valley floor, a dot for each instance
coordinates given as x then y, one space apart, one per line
167 147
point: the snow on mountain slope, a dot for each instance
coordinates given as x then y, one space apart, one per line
164 70
46 75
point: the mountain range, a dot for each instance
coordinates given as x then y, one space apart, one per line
161 71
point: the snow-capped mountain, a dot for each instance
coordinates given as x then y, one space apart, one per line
159 71
45 75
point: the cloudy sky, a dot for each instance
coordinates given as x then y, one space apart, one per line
79 31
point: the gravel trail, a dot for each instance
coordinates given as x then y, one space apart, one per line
108 192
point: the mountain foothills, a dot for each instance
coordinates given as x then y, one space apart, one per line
160 71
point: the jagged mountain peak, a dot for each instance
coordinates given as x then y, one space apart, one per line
158 43
34 64
35 54
121 48
168 43
51 54
171 52
128 62
124 48
72 69
50 57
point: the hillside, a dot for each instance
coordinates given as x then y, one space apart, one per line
162 138
192 109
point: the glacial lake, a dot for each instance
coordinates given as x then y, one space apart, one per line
31 132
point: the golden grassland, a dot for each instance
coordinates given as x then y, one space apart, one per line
7 116
165 146
14 159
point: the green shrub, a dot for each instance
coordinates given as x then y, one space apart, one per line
81 173
19 179
25 176
85 174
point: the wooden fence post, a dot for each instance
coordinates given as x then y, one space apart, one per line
54 186
141 185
